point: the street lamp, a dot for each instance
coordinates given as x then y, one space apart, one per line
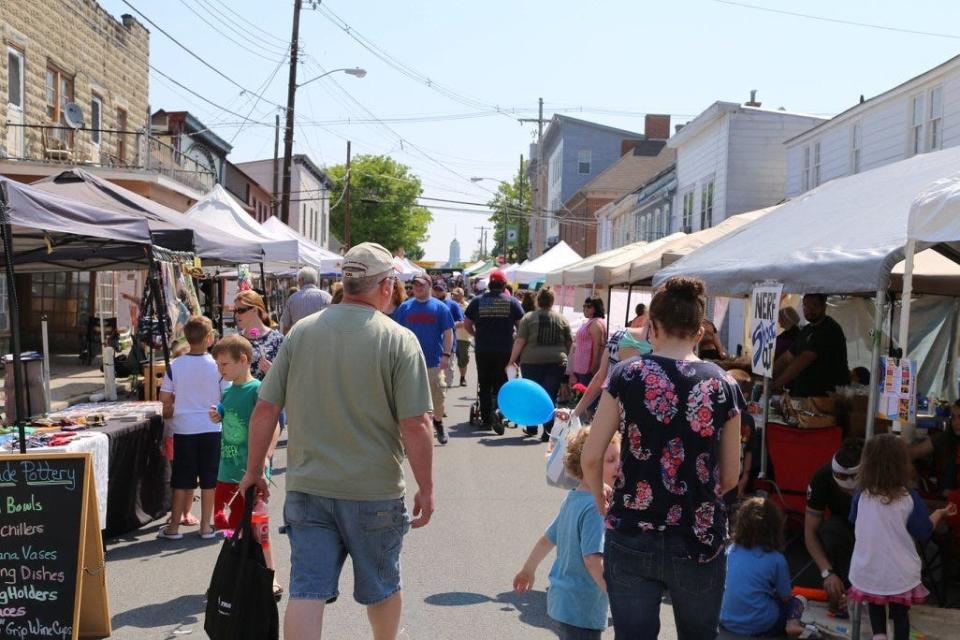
292 87
356 72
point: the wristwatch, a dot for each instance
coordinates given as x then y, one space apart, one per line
826 573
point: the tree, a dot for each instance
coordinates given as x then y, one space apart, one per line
512 206
383 204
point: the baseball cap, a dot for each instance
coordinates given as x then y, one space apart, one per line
498 276
422 277
440 285
366 259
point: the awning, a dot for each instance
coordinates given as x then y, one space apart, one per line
221 210
843 237
559 256
170 229
309 253
50 233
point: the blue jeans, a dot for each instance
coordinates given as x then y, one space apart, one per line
548 376
324 531
639 568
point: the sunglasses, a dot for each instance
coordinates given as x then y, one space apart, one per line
241 309
844 476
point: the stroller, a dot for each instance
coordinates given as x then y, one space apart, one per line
476 418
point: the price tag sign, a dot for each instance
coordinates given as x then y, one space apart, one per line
763 327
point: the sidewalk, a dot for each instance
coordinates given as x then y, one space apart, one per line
70 381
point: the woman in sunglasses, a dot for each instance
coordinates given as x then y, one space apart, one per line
253 321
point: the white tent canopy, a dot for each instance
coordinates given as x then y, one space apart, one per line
405 269
842 237
584 272
309 253
557 257
221 210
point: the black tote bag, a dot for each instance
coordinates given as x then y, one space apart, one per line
240 603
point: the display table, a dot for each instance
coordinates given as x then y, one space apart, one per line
139 475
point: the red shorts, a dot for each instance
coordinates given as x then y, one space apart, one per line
226 491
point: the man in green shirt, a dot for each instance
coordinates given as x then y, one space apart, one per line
354 385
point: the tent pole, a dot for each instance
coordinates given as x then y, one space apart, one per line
263 283
879 300
606 333
763 431
19 380
626 315
907 430
949 375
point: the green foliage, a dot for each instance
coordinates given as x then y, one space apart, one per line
383 204
512 204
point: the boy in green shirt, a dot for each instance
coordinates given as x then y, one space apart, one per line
233 355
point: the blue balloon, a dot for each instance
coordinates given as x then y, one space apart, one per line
525 402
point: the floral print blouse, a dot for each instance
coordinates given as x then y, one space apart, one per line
266 345
671 416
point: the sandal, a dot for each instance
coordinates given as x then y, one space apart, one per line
209 535
162 533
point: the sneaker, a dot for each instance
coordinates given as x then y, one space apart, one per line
530 431
441 434
463 382
545 436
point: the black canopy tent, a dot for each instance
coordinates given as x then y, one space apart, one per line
169 229
42 229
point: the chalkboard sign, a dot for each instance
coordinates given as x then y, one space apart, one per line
52 579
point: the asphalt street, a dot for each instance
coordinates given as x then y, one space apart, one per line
492 504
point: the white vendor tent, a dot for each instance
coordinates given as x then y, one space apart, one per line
309 253
557 257
405 269
843 237
584 272
222 211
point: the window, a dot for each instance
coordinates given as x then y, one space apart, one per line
856 140
706 206
687 222
916 126
65 298
96 119
59 91
303 221
935 121
15 75
806 168
122 136
107 294
815 176
583 161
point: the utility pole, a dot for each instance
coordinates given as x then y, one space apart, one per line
537 185
291 100
520 206
346 202
483 242
274 203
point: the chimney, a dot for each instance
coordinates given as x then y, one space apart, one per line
656 126
627 145
753 99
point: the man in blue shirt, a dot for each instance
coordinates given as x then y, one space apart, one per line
491 318
432 323
440 293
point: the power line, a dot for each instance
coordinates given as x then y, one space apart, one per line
214 27
241 31
852 23
405 69
264 88
285 42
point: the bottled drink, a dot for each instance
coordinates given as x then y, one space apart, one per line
261 524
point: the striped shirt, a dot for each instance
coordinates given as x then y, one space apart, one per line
309 299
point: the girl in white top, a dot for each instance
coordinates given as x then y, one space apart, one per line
887 516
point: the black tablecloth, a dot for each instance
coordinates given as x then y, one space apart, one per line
139 475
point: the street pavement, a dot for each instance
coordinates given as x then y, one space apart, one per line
492 503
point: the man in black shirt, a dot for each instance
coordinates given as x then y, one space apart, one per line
827 531
817 362
491 318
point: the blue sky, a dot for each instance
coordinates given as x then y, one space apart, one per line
616 59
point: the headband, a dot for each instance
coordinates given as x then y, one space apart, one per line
838 468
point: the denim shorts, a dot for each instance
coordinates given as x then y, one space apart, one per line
324 531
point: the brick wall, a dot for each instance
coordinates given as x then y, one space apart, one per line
103 55
578 226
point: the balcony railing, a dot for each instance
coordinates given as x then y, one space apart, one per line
109 148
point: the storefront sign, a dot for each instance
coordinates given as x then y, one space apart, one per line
763 327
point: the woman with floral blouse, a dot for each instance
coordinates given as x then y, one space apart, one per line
679 419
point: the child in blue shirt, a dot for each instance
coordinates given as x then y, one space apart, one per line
577 597
757 600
